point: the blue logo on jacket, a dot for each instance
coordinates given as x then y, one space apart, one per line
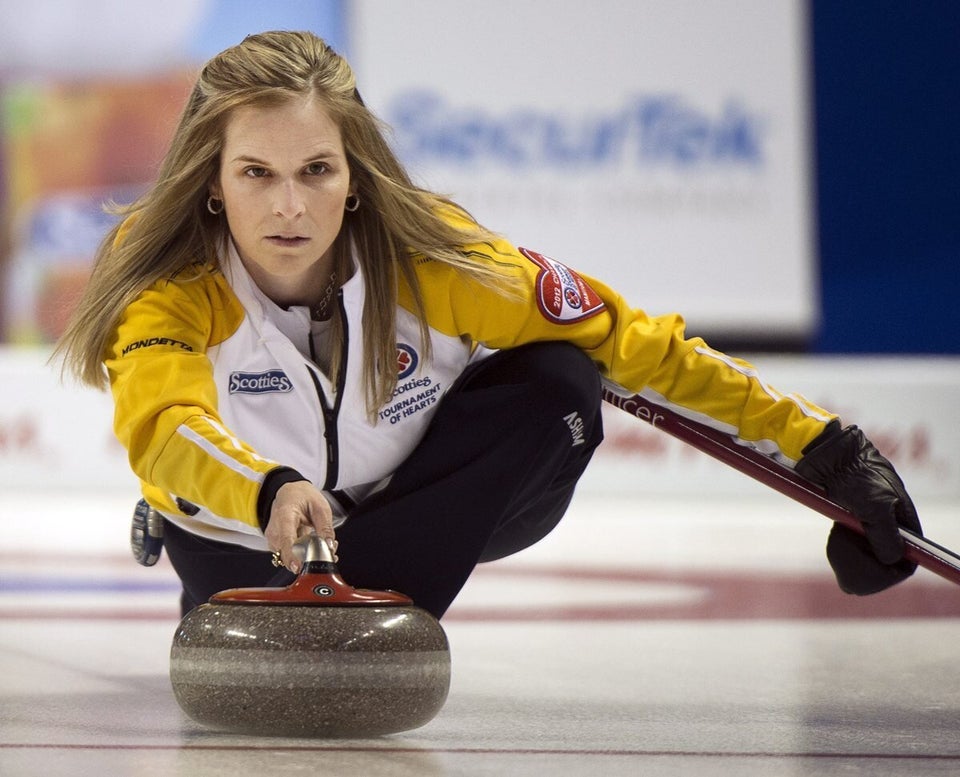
271 381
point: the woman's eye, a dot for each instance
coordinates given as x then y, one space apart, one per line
316 168
255 172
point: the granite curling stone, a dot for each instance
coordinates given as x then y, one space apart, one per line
315 659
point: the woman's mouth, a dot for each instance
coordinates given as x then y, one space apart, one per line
287 241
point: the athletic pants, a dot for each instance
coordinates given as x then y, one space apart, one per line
494 474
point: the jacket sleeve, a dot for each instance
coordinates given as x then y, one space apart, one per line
633 351
165 401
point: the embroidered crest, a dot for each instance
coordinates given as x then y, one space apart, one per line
562 295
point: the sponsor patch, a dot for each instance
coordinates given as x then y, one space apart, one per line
269 382
562 295
575 422
151 342
410 397
407 360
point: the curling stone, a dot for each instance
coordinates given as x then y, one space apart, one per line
315 659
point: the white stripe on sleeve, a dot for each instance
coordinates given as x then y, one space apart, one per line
214 452
749 372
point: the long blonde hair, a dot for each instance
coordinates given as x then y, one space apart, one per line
173 229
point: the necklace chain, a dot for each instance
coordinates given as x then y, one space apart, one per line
319 311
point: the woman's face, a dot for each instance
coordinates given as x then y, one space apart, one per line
284 180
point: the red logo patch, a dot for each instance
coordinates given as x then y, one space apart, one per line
406 360
562 295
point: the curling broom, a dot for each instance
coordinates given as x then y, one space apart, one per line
920 550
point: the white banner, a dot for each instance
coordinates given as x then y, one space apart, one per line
659 145
59 436
55 435
906 406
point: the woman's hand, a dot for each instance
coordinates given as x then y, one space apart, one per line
855 475
299 508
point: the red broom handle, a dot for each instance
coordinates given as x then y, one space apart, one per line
920 550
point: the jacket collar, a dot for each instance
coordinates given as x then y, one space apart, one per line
261 308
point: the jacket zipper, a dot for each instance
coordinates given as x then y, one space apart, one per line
330 414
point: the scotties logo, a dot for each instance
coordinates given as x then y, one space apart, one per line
407 360
269 382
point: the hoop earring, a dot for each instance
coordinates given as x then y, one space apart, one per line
352 203
214 205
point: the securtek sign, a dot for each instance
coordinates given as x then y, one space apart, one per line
646 129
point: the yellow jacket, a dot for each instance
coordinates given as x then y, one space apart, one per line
214 388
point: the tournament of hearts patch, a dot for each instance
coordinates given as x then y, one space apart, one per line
562 296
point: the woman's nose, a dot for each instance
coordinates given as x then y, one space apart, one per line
288 201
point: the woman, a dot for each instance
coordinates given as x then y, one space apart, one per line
299 339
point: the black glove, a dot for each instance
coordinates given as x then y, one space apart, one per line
854 475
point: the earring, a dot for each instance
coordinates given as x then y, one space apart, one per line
352 203
214 205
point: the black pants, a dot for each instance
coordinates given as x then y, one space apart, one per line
494 474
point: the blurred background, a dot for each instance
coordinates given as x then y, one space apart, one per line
783 172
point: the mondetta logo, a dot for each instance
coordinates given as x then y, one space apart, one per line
150 342
271 381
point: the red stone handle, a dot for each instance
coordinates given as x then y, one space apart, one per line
319 583
314 586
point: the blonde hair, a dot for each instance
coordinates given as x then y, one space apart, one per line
171 228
